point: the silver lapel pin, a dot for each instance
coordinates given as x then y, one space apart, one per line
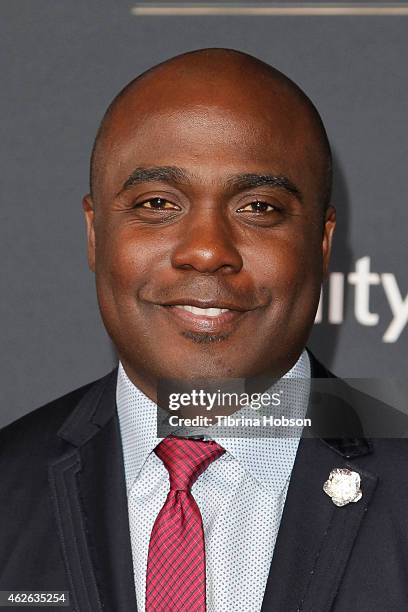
343 486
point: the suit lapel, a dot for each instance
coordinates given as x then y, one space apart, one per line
91 505
316 537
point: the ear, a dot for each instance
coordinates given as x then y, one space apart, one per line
328 231
89 211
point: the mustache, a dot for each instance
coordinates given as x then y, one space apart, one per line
207 292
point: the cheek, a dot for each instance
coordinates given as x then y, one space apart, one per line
124 264
290 271
286 265
125 259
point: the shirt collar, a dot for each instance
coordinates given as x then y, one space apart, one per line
138 425
268 460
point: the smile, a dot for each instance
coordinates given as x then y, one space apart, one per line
206 312
214 319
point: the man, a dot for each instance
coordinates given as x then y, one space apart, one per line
209 231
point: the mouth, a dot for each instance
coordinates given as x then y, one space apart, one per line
209 318
202 312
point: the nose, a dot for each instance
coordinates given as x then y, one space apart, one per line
207 245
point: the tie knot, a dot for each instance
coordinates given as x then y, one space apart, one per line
185 459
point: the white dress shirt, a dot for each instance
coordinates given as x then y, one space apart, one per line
240 496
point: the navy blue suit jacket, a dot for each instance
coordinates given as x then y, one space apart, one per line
64 519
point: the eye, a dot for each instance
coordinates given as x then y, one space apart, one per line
157 204
257 207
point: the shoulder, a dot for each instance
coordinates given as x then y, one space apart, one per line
34 434
29 448
348 409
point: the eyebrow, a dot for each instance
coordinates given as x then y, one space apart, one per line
238 182
249 181
167 174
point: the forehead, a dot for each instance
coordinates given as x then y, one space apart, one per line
209 130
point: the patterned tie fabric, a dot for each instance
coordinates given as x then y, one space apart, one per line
175 579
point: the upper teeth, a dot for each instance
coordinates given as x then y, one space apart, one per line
208 312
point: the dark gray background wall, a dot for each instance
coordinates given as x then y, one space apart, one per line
62 62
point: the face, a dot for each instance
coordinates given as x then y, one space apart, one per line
207 235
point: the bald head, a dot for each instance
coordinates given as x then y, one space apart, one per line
212 79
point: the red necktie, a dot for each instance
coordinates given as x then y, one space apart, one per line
175 579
